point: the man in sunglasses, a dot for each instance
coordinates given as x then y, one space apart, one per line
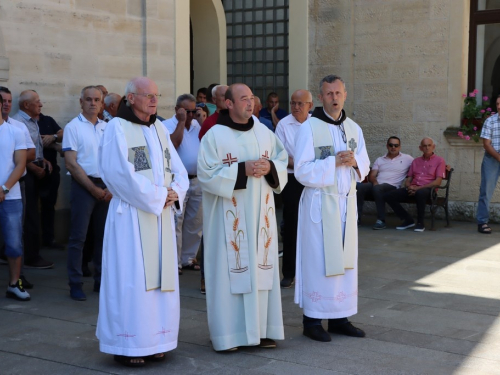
184 131
425 173
387 174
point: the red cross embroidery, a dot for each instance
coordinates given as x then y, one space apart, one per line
266 155
230 160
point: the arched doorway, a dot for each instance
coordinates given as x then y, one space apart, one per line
208 24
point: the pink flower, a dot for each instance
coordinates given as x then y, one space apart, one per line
475 127
488 109
467 138
485 98
475 91
472 94
482 111
460 134
464 96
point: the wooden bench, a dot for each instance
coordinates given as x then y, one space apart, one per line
438 198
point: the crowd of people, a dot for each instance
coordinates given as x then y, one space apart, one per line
152 196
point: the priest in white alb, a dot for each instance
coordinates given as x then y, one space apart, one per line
330 157
240 164
139 299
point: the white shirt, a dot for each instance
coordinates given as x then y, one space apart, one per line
188 149
11 140
392 171
286 131
82 136
27 136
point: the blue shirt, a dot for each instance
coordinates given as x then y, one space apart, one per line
280 113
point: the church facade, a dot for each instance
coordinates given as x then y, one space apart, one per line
406 62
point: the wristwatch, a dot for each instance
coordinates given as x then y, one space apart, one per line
5 190
55 136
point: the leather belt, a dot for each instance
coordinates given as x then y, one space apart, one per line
96 180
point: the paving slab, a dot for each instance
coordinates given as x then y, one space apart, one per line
429 302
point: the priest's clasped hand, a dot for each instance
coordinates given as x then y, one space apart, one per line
172 197
257 168
345 159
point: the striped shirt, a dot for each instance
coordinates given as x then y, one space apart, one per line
491 130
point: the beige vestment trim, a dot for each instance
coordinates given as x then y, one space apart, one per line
234 216
156 274
339 248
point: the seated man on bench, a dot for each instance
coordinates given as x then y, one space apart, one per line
426 172
387 174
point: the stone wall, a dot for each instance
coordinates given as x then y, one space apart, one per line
405 65
58 47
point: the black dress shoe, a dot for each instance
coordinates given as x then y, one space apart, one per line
97 286
347 329
286 282
317 333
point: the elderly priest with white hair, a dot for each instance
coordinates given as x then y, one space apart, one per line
139 300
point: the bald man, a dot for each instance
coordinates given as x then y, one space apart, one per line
240 164
426 173
300 104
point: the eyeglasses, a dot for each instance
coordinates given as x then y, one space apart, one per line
299 104
149 96
189 111
392 145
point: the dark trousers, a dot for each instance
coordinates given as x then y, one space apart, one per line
31 233
84 207
394 199
49 187
311 322
377 192
291 198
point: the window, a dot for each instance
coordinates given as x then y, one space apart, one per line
484 49
257 46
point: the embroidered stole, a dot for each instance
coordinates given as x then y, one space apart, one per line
339 249
234 216
156 274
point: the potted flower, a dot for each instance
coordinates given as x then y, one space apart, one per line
473 116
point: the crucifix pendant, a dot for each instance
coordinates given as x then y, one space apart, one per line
352 144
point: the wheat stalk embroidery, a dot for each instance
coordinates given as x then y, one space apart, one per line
266 232
237 233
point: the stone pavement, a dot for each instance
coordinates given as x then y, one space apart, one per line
429 303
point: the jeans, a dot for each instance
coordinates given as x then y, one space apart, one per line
377 191
11 222
490 171
83 207
393 199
